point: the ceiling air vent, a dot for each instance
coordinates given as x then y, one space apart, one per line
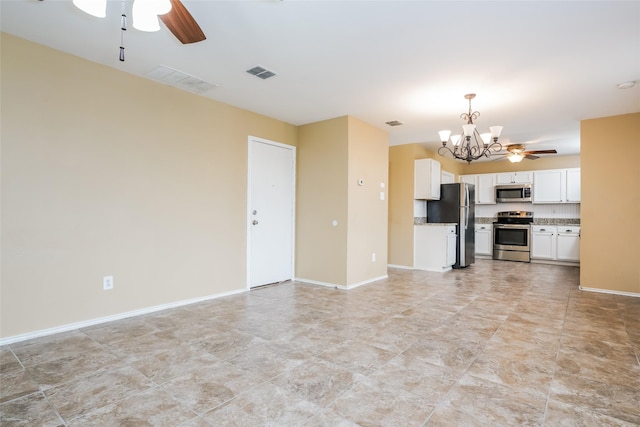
261 72
180 80
394 123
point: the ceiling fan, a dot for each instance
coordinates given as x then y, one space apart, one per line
180 22
516 152
172 13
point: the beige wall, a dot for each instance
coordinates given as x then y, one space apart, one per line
332 156
368 214
104 173
321 197
400 231
401 166
610 208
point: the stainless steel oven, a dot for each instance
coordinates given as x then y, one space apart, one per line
512 236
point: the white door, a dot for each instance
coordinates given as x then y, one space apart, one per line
271 212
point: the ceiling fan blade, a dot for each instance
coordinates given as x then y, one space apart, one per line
541 152
531 157
180 22
498 156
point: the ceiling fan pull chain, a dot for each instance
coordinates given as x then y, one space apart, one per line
123 28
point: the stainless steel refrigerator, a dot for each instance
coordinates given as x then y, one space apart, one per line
457 205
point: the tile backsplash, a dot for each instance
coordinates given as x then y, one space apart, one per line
556 211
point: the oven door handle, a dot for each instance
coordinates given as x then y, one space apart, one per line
520 226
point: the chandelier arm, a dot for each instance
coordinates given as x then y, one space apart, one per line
440 152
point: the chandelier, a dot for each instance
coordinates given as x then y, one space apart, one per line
470 145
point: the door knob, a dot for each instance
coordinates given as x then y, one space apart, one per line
254 222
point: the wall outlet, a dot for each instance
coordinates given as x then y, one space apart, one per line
107 283
373 257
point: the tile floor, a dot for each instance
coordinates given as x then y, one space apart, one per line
499 343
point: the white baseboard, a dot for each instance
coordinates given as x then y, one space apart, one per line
119 316
609 291
555 262
334 285
404 267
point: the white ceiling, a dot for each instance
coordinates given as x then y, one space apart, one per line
538 67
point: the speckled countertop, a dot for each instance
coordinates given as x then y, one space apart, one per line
423 221
536 221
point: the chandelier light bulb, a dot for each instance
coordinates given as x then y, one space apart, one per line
468 129
455 139
486 138
444 135
495 131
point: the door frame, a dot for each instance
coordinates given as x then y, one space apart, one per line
250 140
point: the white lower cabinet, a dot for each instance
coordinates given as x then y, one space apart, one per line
484 243
568 243
434 247
543 242
556 243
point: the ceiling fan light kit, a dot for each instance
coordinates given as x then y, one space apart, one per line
145 18
97 8
471 145
145 14
516 152
516 157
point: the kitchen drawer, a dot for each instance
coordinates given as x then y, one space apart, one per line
544 229
568 229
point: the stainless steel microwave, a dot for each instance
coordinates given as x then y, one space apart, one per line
513 193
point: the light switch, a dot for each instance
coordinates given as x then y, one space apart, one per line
382 195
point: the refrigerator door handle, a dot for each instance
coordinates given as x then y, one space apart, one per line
468 195
466 217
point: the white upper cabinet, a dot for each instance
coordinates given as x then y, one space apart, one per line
556 186
447 178
514 178
573 185
549 186
426 179
485 187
